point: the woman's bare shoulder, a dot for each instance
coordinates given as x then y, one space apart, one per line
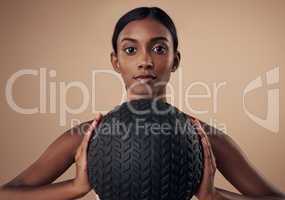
54 161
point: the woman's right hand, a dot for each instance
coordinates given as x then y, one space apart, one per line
81 182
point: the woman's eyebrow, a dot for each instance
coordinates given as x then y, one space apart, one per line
159 38
152 39
128 39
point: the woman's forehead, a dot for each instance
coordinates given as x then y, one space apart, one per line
145 29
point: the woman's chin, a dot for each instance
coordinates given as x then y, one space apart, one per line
141 93
141 89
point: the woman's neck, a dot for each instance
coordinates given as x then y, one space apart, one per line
159 96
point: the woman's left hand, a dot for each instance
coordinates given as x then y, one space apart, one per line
206 191
81 181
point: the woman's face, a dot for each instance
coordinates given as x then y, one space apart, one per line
145 57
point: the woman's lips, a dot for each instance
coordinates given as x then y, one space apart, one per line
145 78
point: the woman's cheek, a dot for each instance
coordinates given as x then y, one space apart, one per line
128 62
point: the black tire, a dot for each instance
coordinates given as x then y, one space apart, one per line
142 166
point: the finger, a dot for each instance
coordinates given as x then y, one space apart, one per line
91 127
213 159
98 116
88 134
96 120
78 153
206 138
206 159
209 155
202 133
209 163
199 128
192 118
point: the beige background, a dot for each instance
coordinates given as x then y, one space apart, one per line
220 40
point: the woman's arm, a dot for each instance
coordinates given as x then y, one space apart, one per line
58 191
207 191
238 170
226 195
35 181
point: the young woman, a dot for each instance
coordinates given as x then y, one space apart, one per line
145 54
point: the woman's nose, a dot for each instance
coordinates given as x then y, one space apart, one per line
145 61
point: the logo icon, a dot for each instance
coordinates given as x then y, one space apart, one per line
271 122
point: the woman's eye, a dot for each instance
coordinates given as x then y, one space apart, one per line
159 49
130 50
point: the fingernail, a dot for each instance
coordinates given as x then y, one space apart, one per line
97 115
